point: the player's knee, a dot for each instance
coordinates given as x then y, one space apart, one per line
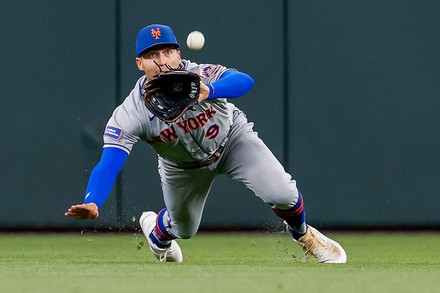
184 232
279 192
186 236
283 201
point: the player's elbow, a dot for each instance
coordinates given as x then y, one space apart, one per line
248 82
244 84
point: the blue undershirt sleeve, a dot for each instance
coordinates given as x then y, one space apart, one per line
104 175
232 84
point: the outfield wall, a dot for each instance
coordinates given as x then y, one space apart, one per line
346 96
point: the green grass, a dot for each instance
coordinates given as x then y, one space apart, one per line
93 262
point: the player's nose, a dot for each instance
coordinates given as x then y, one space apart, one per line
161 58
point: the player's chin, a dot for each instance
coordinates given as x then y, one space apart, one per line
153 76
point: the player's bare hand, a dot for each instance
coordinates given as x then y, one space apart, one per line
83 211
204 92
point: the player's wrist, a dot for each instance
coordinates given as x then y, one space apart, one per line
93 206
211 94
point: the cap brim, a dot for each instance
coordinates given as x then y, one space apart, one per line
158 44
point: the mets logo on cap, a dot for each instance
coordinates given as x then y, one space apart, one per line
155 33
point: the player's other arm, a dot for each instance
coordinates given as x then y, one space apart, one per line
231 84
100 184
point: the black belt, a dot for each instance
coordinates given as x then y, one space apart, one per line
205 162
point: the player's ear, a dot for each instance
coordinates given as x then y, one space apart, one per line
139 64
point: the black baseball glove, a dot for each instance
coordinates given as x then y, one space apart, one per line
170 94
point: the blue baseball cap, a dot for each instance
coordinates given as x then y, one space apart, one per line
152 35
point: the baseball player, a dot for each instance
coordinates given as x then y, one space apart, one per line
211 137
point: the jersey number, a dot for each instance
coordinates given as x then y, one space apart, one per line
212 131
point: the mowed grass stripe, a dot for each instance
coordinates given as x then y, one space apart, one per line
254 262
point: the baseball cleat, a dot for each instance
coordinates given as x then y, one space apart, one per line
172 253
323 248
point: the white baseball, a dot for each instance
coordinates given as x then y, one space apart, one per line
195 40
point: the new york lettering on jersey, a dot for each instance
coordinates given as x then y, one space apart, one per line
197 133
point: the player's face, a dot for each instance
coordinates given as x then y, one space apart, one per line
150 61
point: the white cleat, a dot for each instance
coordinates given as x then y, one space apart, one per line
173 253
323 248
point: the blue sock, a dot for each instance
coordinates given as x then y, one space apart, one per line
295 217
160 234
297 235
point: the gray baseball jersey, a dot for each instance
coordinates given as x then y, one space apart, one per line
194 137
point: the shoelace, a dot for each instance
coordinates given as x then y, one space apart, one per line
311 242
163 256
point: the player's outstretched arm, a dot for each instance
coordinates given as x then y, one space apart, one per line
100 184
83 211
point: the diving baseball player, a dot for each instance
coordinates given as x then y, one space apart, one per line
194 143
